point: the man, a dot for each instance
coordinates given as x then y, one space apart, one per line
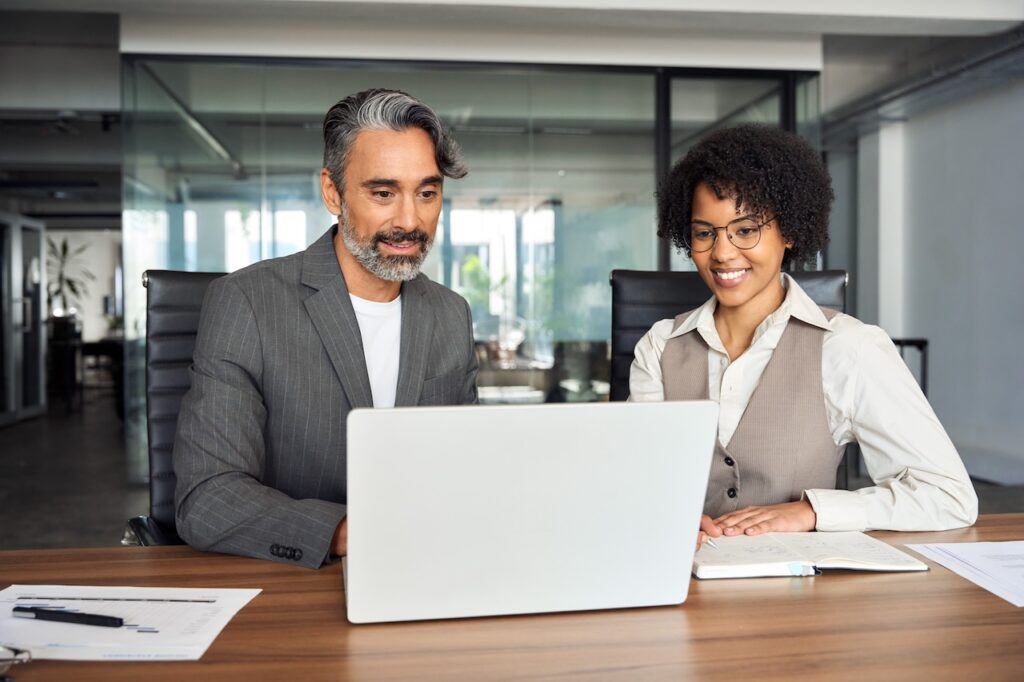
288 346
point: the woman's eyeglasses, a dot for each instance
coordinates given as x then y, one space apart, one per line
744 233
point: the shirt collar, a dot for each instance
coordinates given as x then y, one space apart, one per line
702 319
796 304
801 306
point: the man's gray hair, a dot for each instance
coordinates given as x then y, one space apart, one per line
380 109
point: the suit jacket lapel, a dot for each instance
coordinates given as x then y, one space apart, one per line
417 332
330 309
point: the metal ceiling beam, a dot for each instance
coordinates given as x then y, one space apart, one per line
204 133
1001 60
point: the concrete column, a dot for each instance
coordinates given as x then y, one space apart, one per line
879 281
892 230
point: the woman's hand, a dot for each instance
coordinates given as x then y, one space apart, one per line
785 518
708 528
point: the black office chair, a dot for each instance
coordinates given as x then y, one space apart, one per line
640 298
173 302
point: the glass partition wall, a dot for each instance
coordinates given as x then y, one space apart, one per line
221 170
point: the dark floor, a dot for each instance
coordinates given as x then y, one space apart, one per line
65 480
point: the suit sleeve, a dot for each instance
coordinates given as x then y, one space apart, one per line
219 449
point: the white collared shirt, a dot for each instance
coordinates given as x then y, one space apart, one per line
870 397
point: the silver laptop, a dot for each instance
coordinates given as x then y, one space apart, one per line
490 510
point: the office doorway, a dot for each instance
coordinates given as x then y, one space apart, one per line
23 302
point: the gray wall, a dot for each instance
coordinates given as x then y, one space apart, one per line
964 216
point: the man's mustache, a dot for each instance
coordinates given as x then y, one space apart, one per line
399 236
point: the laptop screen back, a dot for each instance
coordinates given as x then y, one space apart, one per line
488 510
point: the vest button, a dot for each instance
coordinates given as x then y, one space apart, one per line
731 492
729 461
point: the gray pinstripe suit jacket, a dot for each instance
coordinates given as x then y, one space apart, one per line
260 447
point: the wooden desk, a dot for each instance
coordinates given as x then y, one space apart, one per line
842 625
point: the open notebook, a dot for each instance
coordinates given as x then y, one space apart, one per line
789 554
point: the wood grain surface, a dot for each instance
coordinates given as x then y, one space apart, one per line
843 625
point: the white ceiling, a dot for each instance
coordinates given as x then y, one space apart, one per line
860 17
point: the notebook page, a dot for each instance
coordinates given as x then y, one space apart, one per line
850 548
749 555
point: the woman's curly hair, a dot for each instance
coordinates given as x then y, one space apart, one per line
768 171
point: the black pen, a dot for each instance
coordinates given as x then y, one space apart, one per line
63 616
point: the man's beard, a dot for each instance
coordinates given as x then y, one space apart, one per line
392 268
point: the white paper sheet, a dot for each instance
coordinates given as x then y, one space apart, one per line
996 566
161 623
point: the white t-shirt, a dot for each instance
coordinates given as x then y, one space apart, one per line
380 325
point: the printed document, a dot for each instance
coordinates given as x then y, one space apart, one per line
160 623
996 566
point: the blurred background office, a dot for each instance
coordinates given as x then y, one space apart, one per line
187 135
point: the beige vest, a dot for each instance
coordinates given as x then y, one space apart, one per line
782 445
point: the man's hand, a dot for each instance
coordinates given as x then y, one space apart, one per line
788 517
708 528
339 545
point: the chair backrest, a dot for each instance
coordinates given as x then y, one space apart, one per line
173 302
639 299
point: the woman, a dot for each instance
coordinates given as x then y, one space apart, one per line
795 383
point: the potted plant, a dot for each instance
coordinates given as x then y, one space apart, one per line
68 279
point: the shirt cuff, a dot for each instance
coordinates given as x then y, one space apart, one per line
837 510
